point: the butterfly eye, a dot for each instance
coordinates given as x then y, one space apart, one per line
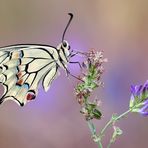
64 44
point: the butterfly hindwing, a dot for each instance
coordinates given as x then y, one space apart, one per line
22 69
49 77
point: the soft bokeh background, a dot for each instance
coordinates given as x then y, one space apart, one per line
119 27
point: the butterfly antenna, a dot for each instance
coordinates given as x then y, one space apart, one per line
71 17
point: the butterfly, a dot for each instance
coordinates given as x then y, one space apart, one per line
24 66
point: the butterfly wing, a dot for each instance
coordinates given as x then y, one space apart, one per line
22 68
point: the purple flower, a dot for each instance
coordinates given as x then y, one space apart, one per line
144 109
139 99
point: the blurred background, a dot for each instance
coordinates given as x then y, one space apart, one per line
119 27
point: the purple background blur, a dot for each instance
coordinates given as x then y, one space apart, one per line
119 27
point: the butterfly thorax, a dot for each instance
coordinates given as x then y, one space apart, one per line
63 52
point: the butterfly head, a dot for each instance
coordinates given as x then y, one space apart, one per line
64 51
65 45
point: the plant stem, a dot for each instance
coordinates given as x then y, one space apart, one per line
112 121
93 133
123 114
99 144
92 128
106 126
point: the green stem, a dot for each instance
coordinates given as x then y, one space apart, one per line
106 126
123 114
99 144
112 121
94 135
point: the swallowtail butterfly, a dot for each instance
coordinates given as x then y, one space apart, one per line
24 66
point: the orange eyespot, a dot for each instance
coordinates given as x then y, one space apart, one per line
19 74
31 95
19 82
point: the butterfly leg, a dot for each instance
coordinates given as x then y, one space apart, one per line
76 63
74 53
68 73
